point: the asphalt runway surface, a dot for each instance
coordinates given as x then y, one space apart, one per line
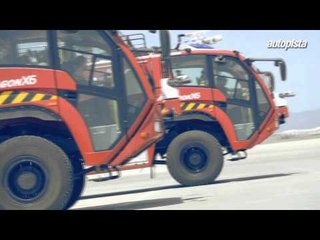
283 175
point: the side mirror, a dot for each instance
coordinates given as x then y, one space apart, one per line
283 69
179 80
168 91
183 79
278 62
165 49
165 43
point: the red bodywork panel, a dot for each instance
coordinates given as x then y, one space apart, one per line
26 79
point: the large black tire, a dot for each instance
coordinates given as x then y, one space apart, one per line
194 158
35 174
78 184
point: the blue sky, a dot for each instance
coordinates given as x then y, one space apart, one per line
303 65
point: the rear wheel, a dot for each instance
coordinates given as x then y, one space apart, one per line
194 158
34 174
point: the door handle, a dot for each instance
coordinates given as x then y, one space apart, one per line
221 104
69 95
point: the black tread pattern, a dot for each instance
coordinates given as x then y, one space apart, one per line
59 156
174 164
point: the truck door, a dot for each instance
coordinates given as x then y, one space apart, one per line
109 95
90 60
245 109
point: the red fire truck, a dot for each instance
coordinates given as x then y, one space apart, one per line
228 107
59 111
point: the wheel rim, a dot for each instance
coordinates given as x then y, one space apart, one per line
26 179
194 159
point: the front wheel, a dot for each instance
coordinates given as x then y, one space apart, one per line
194 158
78 184
34 174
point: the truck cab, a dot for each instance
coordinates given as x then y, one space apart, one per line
224 89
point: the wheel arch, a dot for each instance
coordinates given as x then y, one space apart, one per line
194 121
41 122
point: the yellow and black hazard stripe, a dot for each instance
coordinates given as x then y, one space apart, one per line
187 106
13 97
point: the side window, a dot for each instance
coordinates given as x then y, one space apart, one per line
102 73
86 57
243 120
193 66
231 79
263 103
24 47
101 116
136 96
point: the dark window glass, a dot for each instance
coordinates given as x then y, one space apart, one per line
87 57
81 50
243 120
101 116
103 74
231 79
192 66
263 103
136 96
24 47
